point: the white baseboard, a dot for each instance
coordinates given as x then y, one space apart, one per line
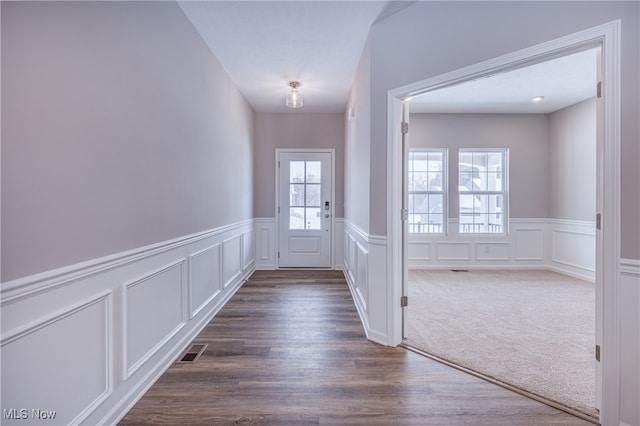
563 246
112 326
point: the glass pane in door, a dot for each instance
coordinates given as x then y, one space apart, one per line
305 194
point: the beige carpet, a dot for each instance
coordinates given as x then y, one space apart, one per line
531 329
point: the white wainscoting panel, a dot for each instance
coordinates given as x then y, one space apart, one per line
378 290
354 238
529 243
419 252
231 260
630 341
564 246
88 340
573 247
454 250
351 258
265 231
153 314
338 244
204 278
248 249
61 364
492 251
362 283
364 269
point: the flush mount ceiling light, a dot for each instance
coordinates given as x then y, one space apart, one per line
537 99
294 98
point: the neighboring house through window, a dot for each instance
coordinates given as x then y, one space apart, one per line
482 190
427 195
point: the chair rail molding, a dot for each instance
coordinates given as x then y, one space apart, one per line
113 325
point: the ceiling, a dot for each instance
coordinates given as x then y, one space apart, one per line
265 44
563 82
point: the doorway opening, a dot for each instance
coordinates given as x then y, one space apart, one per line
606 38
519 315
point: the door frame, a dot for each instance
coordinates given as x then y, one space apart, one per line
333 198
607 37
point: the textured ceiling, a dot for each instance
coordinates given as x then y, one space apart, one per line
563 82
265 44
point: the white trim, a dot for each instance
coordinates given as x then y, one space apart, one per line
630 266
193 312
41 323
49 298
31 285
608 36
128 371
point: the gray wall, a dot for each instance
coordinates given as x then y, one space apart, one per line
445 36
357 144
572 135
526 136
294 130
119 130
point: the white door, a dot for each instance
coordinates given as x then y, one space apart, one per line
305 209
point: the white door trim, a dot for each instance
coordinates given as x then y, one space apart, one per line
607 36
333 196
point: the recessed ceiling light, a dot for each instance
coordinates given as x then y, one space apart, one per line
537 99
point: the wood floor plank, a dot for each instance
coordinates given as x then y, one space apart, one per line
289 349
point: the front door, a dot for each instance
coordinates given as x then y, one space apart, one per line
305 209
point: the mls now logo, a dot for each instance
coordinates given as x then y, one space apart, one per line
23 414
15 413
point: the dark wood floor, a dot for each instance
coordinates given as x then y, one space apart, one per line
289 349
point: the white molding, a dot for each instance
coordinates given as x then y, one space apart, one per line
630 266
13 290
362 275
530 243
354 229
246 263
529 230
48 298
451 244
227 253
35 325
193 312
129 370
377 240
265 243
486 256
42 323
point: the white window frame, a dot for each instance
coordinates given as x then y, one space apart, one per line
505 191
444 192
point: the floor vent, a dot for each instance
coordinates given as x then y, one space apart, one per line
459 270
193 353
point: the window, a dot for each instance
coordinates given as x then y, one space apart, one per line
304 194
427 190
482 190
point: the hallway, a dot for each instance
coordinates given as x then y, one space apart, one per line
289 348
